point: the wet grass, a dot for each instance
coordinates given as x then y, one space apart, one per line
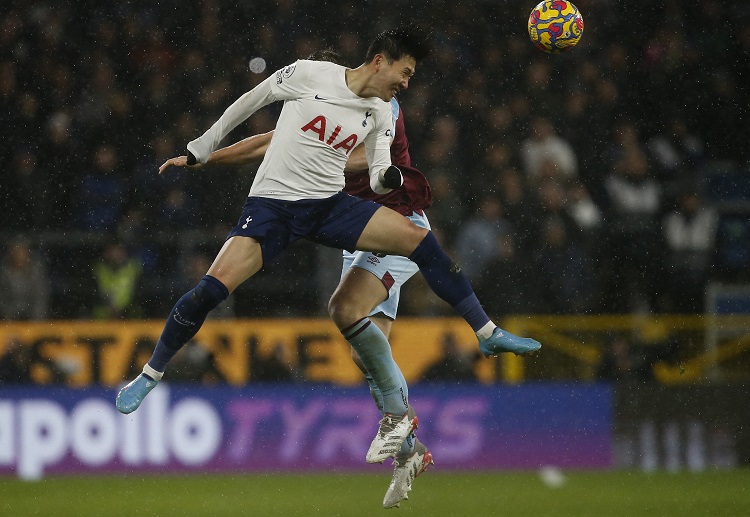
595 494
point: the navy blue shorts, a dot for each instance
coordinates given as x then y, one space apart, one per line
336 222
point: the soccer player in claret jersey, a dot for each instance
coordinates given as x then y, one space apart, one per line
328 110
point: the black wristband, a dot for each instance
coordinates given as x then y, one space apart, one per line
392 177
191 158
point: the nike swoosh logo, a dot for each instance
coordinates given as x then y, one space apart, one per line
319 98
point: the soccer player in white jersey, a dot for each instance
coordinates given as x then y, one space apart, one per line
328 109
372 282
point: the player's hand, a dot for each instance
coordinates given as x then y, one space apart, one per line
177 161
392 177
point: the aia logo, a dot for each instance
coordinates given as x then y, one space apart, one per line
318 126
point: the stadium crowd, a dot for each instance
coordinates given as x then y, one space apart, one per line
605 180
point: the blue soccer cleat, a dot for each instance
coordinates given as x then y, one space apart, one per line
503 341
131 396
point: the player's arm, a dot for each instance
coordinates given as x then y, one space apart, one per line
357 160
253 149
200 149
384 176
249 150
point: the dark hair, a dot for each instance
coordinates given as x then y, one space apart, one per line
406 40
327 54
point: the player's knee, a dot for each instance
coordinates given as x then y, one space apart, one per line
414 236
208 293
343 309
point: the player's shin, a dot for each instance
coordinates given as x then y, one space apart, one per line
375 393
448 282
375 352
186 319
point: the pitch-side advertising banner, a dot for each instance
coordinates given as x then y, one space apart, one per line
110 352
304 427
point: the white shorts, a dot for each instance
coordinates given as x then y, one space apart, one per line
392 270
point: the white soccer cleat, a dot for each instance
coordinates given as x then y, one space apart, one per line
405 470
392 432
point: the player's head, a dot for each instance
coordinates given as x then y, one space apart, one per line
327 54
393 56
407 40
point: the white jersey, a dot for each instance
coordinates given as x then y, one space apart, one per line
321 122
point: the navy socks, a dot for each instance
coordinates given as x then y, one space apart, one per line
186 319
448 282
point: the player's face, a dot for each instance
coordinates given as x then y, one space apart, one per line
395 75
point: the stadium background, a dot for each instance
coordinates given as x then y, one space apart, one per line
576 251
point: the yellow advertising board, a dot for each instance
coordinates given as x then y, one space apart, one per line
108 353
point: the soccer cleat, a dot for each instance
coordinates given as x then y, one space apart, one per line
131 396
392 432
503 341
405 470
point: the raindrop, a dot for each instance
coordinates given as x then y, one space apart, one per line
257 65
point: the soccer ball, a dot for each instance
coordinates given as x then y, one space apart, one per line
555 26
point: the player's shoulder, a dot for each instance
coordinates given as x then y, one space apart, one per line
318 66
395 108
304 69
383 107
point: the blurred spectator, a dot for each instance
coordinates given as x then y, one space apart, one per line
479 235
177 210
274 368
561 272
634 243
676 151
117 277
441 154
24 284
690 233
551 200
515 197
58 159
447 210
15 363
454 365
583 210
621 362
546 154
194 363
28 206
18 360
103 192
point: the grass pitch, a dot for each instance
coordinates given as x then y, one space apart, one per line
595 494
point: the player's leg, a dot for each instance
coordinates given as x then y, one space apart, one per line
414 456
353 300
238 260
357 294
389 232
368 294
